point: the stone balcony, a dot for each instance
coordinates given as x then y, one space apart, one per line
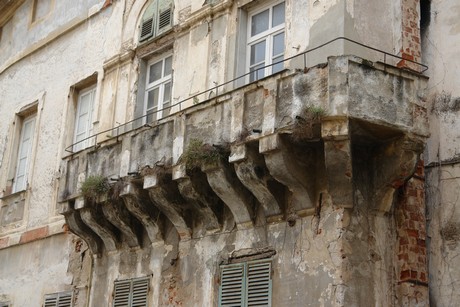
268 152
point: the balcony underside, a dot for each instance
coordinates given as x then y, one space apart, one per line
271 157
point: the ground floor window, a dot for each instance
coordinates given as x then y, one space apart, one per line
246 284
60 299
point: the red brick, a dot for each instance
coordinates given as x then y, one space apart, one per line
412 233
35 234
413 274
405 275
4 242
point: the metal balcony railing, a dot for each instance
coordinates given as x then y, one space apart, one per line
134 124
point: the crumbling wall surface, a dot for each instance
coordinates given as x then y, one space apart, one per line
55 264
440 39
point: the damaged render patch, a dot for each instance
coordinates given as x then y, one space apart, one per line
444 102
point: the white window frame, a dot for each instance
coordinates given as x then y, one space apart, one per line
131 292
84 142
158 111
246 284
267 36
21 185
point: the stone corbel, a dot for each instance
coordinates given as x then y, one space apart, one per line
138 203
198 195
76 226
251 170
285 168
166 202
92 216
395 164
229 189
119 216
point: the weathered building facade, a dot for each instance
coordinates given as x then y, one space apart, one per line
207 153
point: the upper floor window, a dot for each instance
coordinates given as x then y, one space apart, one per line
265 40
158 88
24 153
157 19
84 118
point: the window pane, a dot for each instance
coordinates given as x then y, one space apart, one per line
278 44
257 72
259 22
168 66
277 67
167 93
258 53
152 100
278 14
155 72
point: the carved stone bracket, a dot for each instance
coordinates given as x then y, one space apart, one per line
117 214
138 203
251 170
76 226
168 202
93 217
284 167
197 193
230 190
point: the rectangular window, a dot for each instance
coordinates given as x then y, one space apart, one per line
61 299
245 284
265 43
157 100
24 154
84 119
131 293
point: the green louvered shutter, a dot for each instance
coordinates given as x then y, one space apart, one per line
61 299
148 22
121 296
259 284
140 292
131 293
231 290
246 284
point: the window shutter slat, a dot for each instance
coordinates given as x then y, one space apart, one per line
165 20
231 288
259 284
146 29
131 293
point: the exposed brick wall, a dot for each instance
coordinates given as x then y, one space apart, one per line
35 234
410 33
411 230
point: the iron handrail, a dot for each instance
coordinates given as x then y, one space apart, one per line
216 89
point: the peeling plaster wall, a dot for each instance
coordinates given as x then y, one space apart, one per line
28 272
316 262
440 52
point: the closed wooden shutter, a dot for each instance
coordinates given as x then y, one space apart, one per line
61 299
157 18
232 285
259 284
246 284
131 293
